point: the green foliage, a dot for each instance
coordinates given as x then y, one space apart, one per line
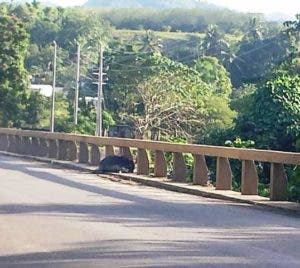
13 76
239 143
147 3
138 69
63 119
273 116
187 20
257 57
293 30
241 98
34 111
263 190
214 44
87 119
215 74
174 101
66 27
294 185
151 43
294 180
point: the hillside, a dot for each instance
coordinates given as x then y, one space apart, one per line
156 4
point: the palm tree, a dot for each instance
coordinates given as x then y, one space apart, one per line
254 30
150 43
293 31
214 45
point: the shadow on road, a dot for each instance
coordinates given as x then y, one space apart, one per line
158 253
150 211
231 235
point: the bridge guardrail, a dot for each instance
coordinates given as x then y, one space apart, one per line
85 149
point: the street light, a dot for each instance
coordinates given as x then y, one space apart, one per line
53 89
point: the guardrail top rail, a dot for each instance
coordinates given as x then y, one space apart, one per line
85 149
216 151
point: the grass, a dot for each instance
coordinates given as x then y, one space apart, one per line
129 34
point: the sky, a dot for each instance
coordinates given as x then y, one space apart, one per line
290 7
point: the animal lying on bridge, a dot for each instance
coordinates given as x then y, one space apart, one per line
115 163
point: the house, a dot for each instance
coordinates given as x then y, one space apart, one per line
45 90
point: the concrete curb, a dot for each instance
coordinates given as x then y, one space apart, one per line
259 202
263 203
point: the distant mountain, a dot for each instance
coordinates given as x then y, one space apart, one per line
156 4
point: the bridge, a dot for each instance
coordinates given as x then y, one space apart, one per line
56 217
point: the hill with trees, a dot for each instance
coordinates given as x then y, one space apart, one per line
157 4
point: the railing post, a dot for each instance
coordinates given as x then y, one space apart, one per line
62 150
160 169
224 174
109 150
26 144
39 147
11 144
22 149
43 148
83 152
53 149
18 143
249 178
34 146
3 142
142 162
95 155
279 182
179 168
72 150
201 172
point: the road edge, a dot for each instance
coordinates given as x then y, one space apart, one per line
289 208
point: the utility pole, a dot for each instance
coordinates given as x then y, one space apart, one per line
77 85
99 129
53 89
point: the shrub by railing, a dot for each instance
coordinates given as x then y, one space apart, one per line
85 149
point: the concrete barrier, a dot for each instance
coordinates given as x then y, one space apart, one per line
85 149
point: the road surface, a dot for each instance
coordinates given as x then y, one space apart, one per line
53 217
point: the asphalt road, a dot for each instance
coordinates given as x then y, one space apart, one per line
60 218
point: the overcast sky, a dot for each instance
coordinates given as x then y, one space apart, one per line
290 7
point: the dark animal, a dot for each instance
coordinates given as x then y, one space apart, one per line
115 164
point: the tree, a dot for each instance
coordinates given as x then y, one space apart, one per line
150 43
214 74
293 31
256 58
28 13
214 44
127 68
46 27
254 30
259 54
34 113
160 111
272 119
13 76
174 102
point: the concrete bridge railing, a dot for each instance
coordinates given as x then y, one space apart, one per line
86 149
